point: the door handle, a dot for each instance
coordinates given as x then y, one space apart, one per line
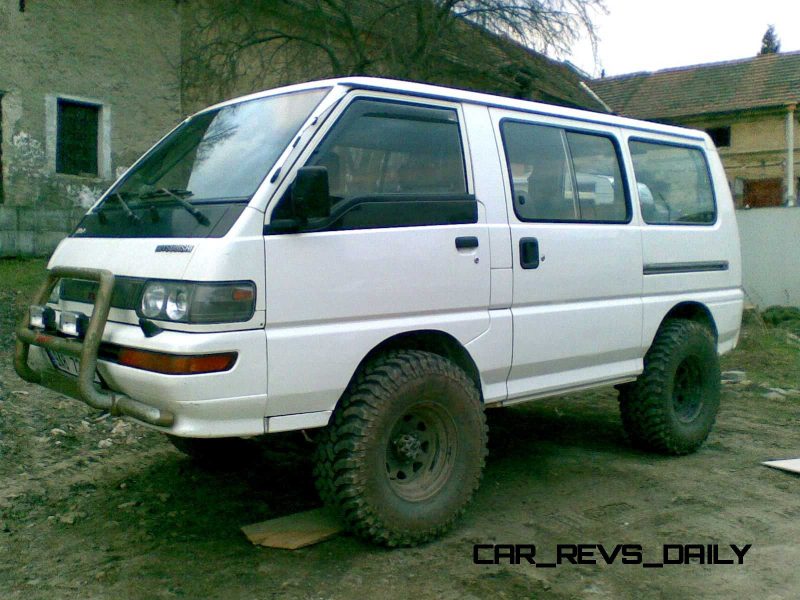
466 242
529 253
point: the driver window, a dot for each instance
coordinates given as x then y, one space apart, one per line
380 147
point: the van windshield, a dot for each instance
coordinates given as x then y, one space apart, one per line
197 181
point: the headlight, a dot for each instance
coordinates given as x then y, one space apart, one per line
177 304
189 302
155 294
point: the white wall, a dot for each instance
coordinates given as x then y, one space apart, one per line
771 255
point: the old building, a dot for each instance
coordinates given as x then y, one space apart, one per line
87 86
747 106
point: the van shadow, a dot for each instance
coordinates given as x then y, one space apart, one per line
196 500
588 421
273 477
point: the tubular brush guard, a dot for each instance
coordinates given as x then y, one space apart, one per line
84 387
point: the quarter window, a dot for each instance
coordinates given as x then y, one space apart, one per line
559 175
674 184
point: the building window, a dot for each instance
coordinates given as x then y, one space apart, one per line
721 136
737 191
76 138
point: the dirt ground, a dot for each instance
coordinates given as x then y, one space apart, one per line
96 507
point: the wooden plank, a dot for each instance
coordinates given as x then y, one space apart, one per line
294 531
792 465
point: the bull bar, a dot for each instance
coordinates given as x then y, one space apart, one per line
86 350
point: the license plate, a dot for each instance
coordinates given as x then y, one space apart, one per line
67 364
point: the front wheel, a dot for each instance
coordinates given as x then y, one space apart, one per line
672 406
405 449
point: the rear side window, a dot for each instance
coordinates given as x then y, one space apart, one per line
560 175
674 184
601 191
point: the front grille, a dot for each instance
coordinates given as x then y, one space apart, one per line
125 295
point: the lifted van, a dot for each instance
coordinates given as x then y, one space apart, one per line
383 260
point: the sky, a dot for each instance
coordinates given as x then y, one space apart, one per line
649 35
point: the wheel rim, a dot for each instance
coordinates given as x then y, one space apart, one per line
420 452
687 397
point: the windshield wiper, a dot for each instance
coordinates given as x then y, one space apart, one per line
157 192
177 195
125 208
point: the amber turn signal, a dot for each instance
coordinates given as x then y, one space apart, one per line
175 364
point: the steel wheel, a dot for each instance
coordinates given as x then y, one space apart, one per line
420 452
687 397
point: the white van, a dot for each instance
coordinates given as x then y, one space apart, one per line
382 260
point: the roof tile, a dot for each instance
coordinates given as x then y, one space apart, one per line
768 80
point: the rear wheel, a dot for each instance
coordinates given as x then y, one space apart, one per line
672 406
405 449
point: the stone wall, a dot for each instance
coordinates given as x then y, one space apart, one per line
124 57
33 231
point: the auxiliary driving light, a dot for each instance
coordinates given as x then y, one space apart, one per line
42 317
73 324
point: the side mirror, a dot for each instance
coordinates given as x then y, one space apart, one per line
310 195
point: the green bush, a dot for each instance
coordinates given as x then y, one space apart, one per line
775 315
785 317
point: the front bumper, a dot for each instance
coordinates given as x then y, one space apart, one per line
215 404
84 387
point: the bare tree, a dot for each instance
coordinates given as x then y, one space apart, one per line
549 26
234 43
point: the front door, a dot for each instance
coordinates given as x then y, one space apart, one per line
406 249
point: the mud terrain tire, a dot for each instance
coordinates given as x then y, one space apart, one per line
672 406
405 449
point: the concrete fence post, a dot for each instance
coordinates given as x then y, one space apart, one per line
791 198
